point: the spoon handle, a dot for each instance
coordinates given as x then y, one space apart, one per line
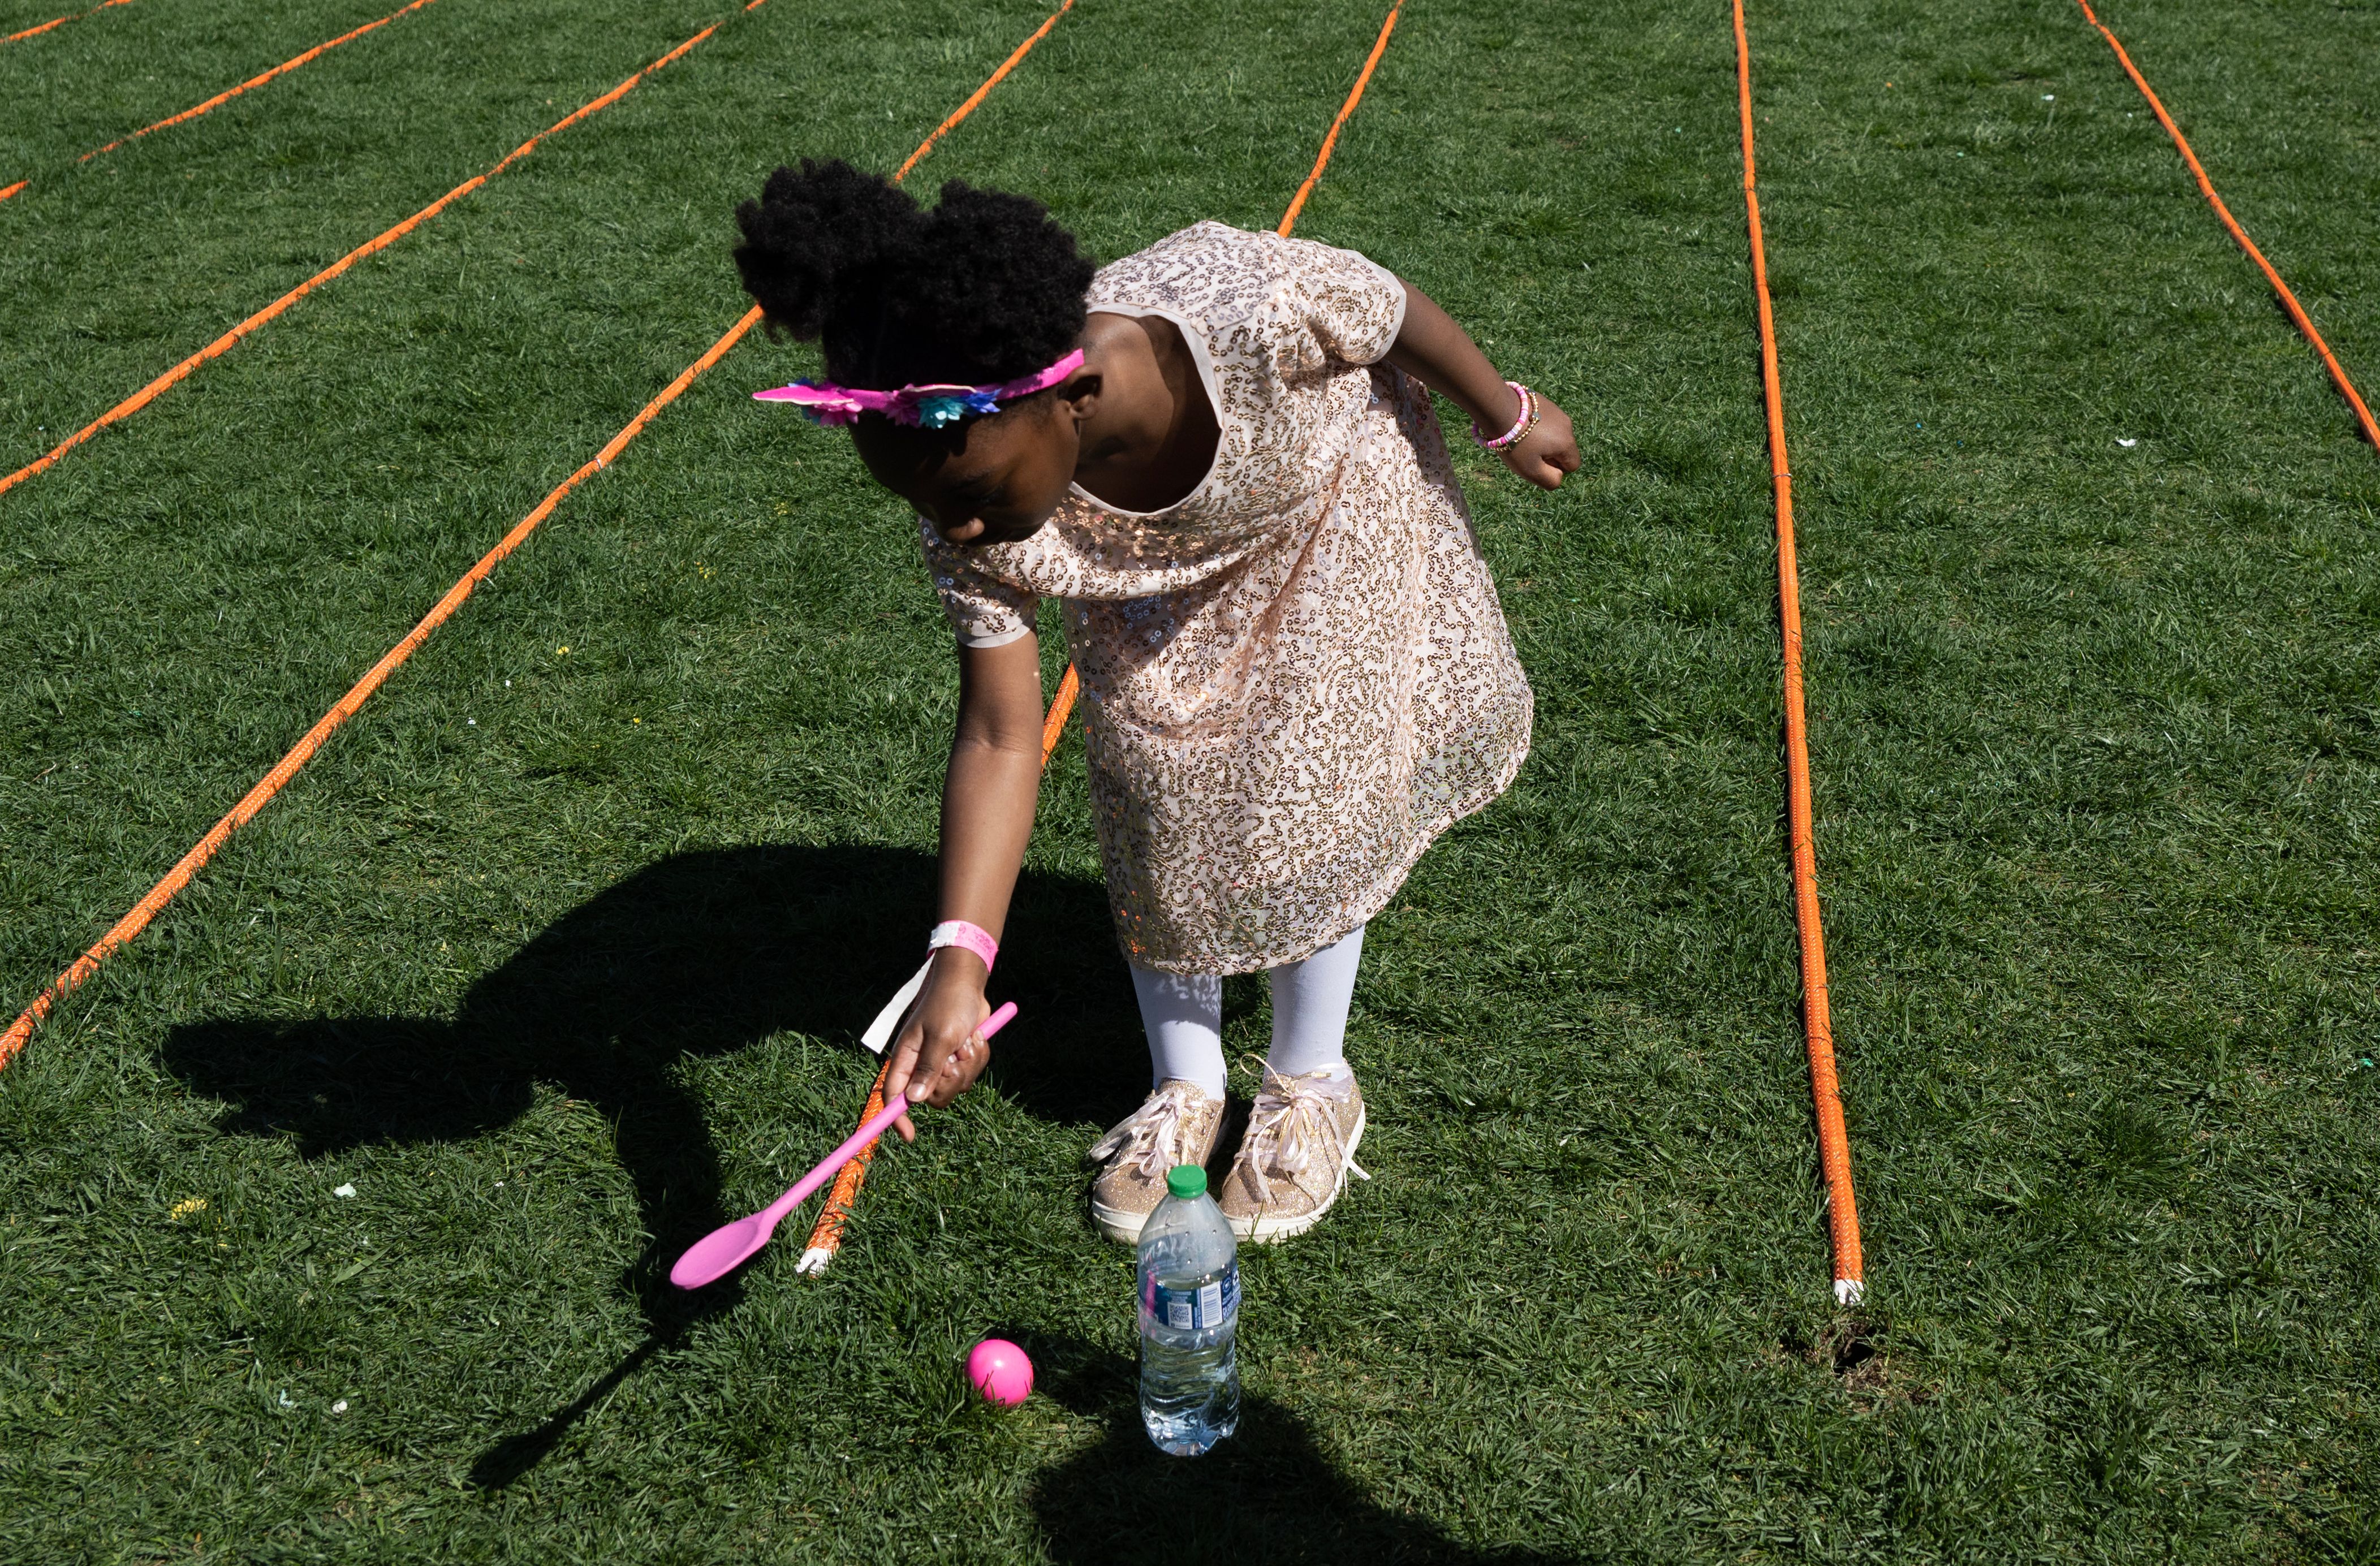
870 1130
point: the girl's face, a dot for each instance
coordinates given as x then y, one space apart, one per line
987 481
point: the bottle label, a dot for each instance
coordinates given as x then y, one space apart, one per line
1195 1310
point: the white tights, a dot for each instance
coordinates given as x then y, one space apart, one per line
1183 1014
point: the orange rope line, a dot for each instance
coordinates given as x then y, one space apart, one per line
980 93
826 1236
317 52
147 909
1054 726
2289 299
1834 1140
56 21
1330 141
223 343
13 1041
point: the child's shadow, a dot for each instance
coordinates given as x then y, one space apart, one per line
1266 1494
700 953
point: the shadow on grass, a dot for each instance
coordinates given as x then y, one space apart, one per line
1267 1494
516 1455
697 955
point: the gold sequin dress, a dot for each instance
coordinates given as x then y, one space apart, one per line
1299 676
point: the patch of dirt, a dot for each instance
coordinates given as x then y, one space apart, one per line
1853 1350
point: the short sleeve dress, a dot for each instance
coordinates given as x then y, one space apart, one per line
1298 676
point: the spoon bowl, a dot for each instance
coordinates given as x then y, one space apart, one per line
721 1252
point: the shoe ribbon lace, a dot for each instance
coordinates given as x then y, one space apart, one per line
1151 1137
1292 1128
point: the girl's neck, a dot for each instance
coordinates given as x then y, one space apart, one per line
1152 438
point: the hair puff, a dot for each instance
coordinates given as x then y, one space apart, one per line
986 287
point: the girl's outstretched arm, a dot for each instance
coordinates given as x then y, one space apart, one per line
988 799
1440 355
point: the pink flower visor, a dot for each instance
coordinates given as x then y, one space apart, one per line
925 408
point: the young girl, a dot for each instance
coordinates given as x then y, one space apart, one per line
1220 455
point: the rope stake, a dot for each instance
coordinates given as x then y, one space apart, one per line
826 1235
1818 1026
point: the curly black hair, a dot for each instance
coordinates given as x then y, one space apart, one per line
984 287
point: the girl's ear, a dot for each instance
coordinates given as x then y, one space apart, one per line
1079 397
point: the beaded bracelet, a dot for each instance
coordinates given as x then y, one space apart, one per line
1521 426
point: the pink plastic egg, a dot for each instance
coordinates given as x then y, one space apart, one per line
998 1370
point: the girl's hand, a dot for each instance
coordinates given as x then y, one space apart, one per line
937 1056
1441 356
1548 451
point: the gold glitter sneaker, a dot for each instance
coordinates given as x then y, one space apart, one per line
1177 1124
1295 1156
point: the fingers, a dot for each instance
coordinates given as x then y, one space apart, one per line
925 1083
938 1051
934 1071
1545 470
930 1070
897 1077
956 1074
1550 453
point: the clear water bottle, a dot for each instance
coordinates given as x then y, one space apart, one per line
1189 1312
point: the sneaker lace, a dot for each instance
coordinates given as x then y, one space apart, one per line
1293 1127
1153 1135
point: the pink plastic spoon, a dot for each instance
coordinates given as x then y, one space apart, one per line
724 1249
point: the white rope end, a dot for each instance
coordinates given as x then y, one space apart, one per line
1850 1291
814 1261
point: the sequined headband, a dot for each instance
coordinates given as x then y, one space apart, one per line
925 408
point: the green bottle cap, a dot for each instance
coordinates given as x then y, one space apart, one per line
1186 1181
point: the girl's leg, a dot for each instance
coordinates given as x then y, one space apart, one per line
1308 1118
1183 1015
1178 1124
1310 1008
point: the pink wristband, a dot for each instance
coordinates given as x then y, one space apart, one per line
958 932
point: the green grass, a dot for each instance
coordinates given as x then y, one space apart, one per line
558 957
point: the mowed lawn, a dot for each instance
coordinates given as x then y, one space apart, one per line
557 955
